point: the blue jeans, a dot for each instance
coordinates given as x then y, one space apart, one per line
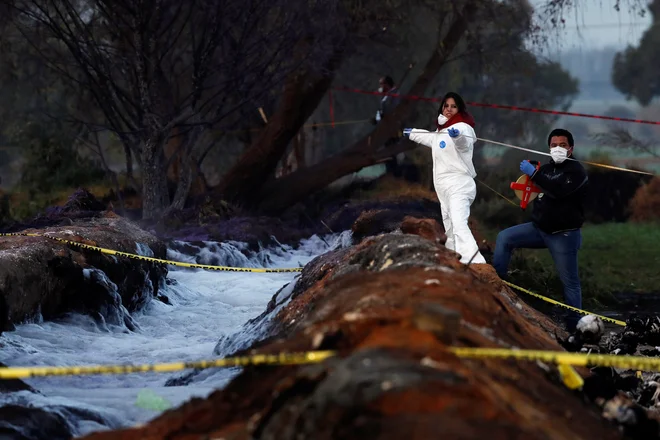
563 247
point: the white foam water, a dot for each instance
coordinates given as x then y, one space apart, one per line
205 306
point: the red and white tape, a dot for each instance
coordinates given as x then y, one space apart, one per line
500 106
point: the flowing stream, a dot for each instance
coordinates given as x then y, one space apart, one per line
206 306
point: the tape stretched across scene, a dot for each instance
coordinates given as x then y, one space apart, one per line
499 106
159 260
237 361
560 357
566 306
611 167
529 150
639 363
264 270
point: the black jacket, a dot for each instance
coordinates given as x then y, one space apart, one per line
561 205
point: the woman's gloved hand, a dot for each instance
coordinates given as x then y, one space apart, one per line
453 132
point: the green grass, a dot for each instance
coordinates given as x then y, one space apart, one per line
615 257
626 255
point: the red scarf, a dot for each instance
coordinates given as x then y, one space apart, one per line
458 117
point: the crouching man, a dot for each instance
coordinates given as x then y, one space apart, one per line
557 216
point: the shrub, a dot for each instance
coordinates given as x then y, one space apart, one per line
645 205
51 162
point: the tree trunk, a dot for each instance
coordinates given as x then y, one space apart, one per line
130 153
129 163
155 194
299 149
286 191
302 94
185 180
283 193
173 155
187 170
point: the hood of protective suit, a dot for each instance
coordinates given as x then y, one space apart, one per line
458 117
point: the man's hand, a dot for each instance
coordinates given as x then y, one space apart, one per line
406 132
527 168
453 132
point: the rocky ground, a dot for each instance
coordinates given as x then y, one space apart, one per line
41 278
391 305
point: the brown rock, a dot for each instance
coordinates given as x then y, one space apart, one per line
381 221
376 221
424 227
42 276
393 378
340 217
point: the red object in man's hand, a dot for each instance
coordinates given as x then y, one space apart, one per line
525 188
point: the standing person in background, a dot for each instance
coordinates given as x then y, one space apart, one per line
451 146
387 104
557 217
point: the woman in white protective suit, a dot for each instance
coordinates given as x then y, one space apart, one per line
453 173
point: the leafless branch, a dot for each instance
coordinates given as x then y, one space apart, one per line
95 146
621 138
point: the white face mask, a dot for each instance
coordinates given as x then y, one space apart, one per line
380 90
442 119
558 154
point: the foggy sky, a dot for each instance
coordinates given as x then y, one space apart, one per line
599 26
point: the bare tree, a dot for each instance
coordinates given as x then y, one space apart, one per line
244 185
370 149
348 23
92 141
620 137
153 66
160 70
463 25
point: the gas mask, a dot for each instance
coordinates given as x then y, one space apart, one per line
380 90
442 119
558 154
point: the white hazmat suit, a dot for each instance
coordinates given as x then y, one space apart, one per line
453 179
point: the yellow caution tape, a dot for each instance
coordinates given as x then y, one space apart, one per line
158 260
238 361
570 377
265 270
566 306
498 193
558 357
